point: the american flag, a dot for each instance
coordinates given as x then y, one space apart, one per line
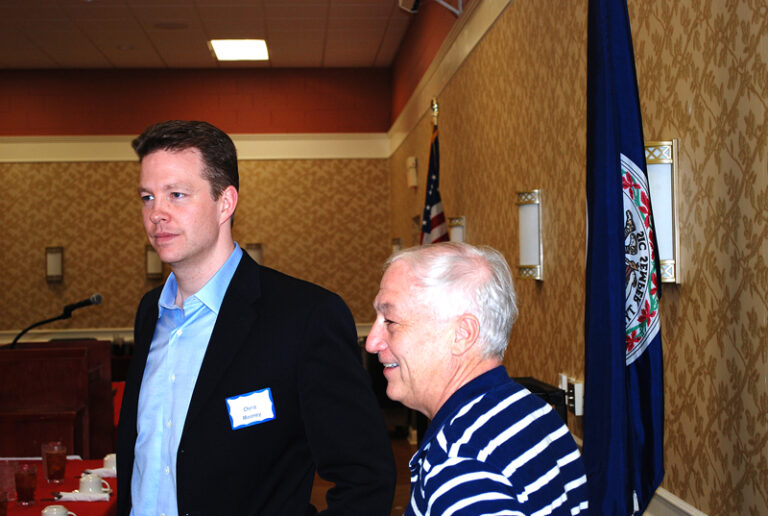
433 225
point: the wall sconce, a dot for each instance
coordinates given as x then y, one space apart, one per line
397 244
661 162
531 252
456 227
54 264
152 263
255 251
411 172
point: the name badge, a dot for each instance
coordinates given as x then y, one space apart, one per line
251 409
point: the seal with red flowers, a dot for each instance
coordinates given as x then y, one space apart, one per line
641 306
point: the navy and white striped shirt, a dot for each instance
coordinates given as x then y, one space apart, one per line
495 448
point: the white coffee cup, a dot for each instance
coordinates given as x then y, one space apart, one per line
93 483
110 461
57 510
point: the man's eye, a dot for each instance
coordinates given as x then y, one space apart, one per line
389 322
147 197
177 195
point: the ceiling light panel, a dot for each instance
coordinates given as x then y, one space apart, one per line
240 49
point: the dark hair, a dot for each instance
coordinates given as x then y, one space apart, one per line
216 148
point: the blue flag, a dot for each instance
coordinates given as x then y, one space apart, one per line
434 228
624 389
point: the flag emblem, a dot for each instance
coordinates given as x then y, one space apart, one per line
641 300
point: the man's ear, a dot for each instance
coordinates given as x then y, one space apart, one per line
466 334
227 203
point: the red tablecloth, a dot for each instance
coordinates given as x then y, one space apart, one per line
71 482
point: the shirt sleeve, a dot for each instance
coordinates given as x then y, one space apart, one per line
343 421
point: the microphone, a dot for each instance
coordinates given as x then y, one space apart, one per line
95 299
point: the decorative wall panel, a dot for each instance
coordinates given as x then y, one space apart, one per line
325 221
321 220
513 119
703 78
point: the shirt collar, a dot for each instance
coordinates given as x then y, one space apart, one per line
468 391
212 293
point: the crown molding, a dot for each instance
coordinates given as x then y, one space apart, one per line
35 149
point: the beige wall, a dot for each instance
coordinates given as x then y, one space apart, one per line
703 78
513 118
321 220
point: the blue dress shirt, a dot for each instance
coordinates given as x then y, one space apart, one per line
175 356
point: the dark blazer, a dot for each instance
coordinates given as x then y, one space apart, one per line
300 341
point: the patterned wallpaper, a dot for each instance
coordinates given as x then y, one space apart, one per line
321 220
325 221
703 79
513 118
510 121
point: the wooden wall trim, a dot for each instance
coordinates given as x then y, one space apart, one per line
34 149
108 334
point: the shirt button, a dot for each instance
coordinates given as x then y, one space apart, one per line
173 377
167 470
168 424
178 333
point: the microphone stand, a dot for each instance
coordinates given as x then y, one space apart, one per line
66 314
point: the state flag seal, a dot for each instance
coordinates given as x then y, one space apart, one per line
641 300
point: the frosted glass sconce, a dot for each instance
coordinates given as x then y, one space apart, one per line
661 162
54 264
411 172
456 229
531 252
255 251
153 263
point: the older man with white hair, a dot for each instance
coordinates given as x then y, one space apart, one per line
443 317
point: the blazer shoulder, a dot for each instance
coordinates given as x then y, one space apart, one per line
276 283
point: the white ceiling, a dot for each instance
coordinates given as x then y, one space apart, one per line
56 34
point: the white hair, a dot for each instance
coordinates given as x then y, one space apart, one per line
456 278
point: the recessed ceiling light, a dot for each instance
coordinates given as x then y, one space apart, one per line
240 49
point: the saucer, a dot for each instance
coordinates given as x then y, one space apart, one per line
103 491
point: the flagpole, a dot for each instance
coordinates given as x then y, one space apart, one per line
435 111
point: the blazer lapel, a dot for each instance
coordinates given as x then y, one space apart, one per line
144 331
237 316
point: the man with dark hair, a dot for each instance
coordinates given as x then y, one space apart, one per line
244 381
216 149
443 317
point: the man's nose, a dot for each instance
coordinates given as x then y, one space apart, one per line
157 213
374 343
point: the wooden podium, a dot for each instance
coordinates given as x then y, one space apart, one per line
59 390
